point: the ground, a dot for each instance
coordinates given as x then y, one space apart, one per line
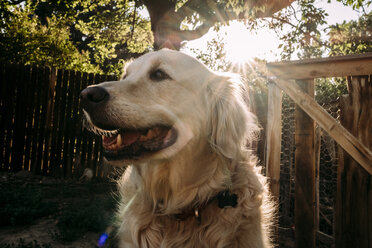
43 212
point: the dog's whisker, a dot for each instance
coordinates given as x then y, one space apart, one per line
88 124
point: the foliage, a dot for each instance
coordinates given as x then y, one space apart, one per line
214 56
351 37
328 89
304 35
22 244
26 41
91 36
174 21
22 205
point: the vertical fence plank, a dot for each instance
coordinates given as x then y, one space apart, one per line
55 170
3 118
37 72
20 117
81 137
44 84
61 131
76 124
9 114
305 230
29 105
68 139
89 136
49 120
353 215
273 143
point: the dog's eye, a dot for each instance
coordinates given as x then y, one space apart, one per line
158 75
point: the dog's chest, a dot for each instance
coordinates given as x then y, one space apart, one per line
165 231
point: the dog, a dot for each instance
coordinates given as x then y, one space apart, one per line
183 131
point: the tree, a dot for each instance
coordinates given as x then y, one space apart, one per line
104 32
167 16
351 37
26 41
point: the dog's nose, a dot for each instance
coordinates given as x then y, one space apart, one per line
92 96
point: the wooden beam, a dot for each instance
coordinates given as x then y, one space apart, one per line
339 66
353 210
305 229
273 138
341 135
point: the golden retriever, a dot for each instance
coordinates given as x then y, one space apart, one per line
183 132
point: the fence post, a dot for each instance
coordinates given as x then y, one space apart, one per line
49 124
273 138
353 213
305 230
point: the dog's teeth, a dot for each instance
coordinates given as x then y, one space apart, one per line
118 140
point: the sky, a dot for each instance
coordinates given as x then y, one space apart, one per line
243 45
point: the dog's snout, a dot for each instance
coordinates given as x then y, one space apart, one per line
92 96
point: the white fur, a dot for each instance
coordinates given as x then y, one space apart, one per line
214 125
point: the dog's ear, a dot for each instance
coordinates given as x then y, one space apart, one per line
231 125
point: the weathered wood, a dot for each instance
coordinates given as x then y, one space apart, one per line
341 135
339 66
48 120
3 86
54 167
69 139
305 230
35 79
76 125
40 123
62 124
353 215
318 139
42 128
20 118
29 102
273 138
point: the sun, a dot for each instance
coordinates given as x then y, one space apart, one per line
243 45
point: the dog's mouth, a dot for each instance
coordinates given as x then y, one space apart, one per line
124 143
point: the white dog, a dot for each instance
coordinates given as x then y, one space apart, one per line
183 130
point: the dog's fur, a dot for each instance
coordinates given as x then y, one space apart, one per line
210 113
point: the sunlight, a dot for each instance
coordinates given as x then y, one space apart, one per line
243 45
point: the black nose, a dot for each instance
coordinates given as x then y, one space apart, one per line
93 96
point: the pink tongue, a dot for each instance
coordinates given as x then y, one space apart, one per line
129 138
109 140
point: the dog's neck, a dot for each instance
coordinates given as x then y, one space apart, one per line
172 185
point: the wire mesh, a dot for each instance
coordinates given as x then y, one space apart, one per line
327 94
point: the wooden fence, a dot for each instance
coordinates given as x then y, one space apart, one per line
353 208
41 123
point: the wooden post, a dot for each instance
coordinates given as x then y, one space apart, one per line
353 213
273 138
305 230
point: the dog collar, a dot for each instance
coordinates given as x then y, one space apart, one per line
225 199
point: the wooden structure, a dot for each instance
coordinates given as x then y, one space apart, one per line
41 124
353 216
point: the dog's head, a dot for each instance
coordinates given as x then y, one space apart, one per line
167 101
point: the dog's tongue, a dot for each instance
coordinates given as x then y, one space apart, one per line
106 141
129 138
122 139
